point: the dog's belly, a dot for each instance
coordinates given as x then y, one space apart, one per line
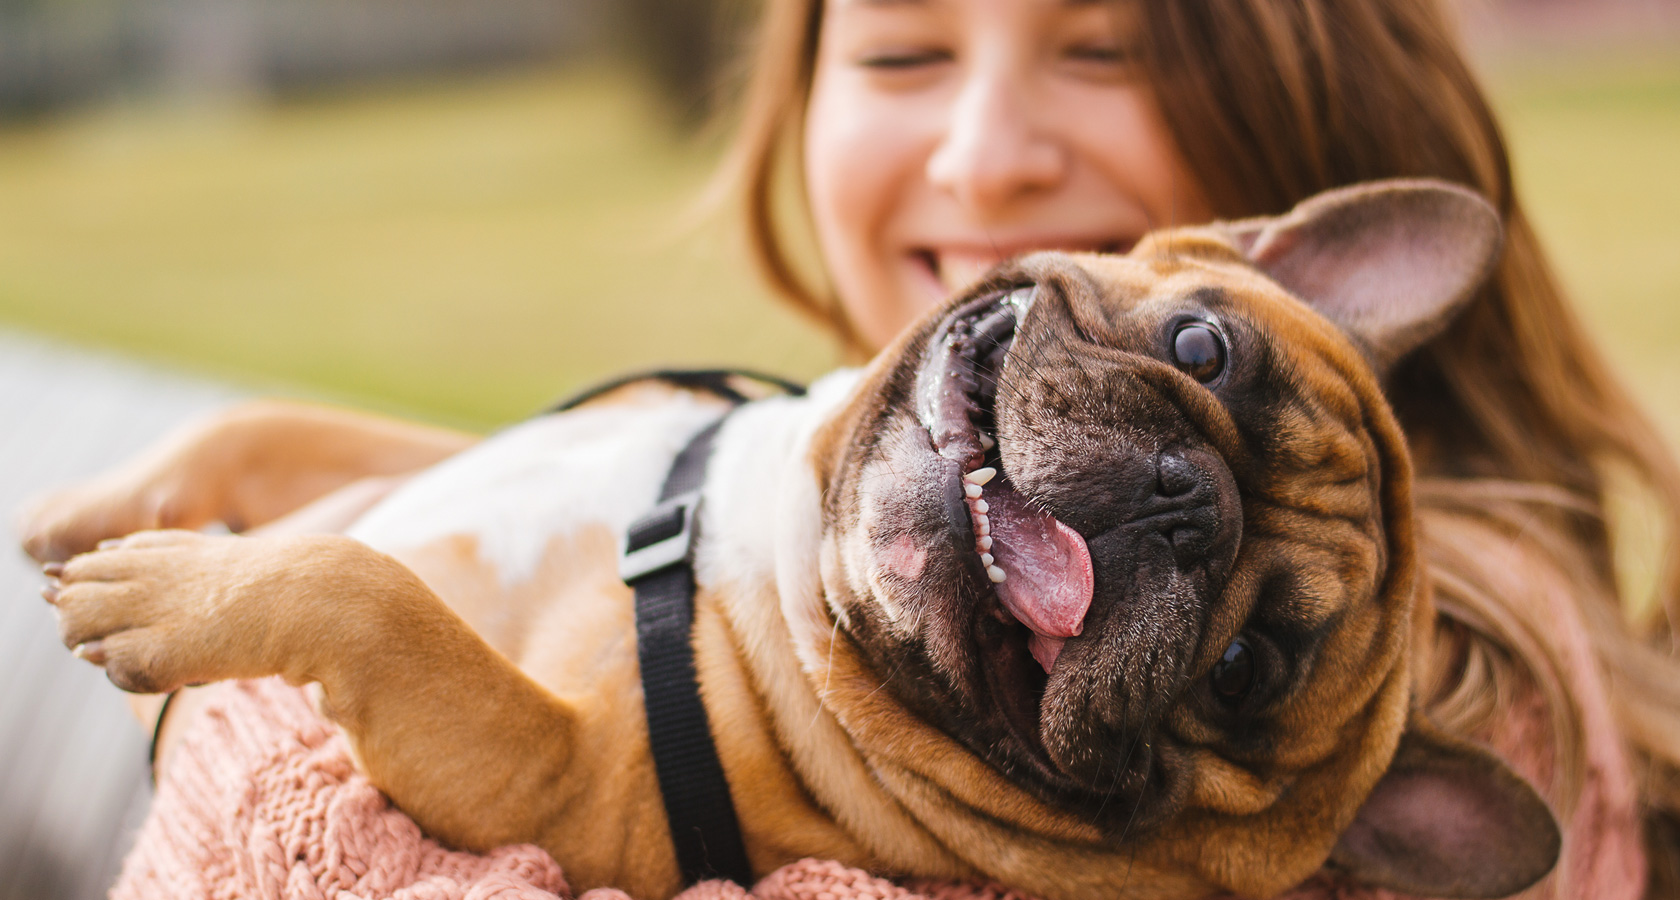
520 534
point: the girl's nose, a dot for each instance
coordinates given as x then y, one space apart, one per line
993 152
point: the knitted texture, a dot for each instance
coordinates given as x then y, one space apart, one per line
260 801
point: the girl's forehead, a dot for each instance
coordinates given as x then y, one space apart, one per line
1027 20
965 3
961 7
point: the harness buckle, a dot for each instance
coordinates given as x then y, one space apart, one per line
660 539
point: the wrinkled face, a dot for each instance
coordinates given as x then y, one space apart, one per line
1117 524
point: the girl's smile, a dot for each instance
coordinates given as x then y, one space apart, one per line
944 136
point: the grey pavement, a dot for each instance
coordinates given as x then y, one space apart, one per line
73 781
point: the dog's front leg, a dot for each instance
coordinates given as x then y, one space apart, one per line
455 734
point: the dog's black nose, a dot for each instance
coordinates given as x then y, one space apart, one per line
1186 508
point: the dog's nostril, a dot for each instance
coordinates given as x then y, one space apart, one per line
1185 511
1174 475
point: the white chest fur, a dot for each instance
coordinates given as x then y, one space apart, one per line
539 480
603 465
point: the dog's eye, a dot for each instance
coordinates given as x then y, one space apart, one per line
1233 675
1199 352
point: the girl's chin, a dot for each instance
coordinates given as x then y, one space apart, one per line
896 303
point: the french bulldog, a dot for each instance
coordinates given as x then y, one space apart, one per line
1101 581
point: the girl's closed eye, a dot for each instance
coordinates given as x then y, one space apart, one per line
905 59
1100 42
1101 63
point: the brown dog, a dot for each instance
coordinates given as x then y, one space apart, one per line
1102 577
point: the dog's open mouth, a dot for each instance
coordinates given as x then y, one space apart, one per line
1037 568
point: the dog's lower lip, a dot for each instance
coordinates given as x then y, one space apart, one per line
1016 684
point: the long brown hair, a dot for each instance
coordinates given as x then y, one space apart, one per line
1514 418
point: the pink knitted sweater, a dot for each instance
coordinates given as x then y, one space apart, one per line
260 801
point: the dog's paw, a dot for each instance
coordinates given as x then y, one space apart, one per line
162 609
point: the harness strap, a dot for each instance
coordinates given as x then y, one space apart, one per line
658 564
715 381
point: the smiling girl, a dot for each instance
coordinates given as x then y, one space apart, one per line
934 138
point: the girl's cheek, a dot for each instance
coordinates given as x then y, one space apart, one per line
855 147
860 168
860 160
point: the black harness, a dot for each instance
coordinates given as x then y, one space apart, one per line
658 564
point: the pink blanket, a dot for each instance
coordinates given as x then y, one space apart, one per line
260 802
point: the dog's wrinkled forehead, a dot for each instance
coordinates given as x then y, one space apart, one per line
1288 399
1270 366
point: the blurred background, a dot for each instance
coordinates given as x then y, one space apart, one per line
460 209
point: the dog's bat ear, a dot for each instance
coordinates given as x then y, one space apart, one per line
1449 819
1390 262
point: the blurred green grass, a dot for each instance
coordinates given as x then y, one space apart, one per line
1596 148
466 251
462 252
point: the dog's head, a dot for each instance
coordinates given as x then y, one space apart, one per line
1136 531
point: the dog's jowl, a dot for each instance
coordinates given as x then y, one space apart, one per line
1103 575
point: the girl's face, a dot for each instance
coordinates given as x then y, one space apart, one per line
946 135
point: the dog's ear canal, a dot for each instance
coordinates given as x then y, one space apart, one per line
1449 819
1390 262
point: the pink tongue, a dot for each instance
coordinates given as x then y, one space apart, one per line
1048 583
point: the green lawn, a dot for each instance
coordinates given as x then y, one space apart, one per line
467 251
462 252
1597 156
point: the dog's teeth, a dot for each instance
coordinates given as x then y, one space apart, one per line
982 525
985 543
972 491
982 506
986 560
996 574
986 442
980 476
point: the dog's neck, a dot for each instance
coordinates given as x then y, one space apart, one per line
761 515
758 566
